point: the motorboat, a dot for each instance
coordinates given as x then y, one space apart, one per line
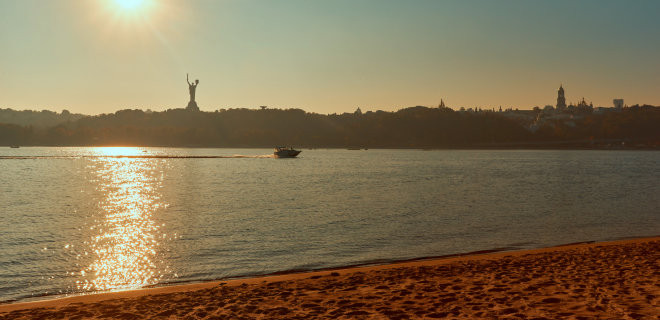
285 152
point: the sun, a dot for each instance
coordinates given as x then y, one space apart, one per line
130 5
130 9
131 21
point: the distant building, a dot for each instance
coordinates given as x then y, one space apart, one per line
561 99
584 107
582 103
618 103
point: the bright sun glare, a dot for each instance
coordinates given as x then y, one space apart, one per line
129 4
129 12
127 21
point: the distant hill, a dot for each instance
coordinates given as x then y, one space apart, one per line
415 127
44 118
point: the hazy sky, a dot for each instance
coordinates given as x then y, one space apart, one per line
92 56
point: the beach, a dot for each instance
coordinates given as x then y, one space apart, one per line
608 280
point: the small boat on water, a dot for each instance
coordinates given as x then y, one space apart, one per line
285 152
13 146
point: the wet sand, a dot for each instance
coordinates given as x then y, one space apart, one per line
608 280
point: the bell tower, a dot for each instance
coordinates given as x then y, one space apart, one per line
561 100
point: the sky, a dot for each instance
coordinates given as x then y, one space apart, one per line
332 56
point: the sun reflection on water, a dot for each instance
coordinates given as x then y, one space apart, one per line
125 241
118 151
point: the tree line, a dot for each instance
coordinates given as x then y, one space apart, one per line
414 127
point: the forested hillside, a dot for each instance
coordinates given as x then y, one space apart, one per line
416 127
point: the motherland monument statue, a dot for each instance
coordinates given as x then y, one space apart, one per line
192 87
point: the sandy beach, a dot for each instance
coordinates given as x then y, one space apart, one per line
607 280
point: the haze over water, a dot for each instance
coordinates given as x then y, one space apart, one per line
88 219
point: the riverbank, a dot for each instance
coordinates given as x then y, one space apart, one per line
589 280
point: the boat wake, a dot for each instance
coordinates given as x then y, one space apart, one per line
236 156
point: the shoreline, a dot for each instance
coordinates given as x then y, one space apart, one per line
479 257
375 263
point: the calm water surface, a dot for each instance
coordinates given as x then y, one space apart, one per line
86 219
